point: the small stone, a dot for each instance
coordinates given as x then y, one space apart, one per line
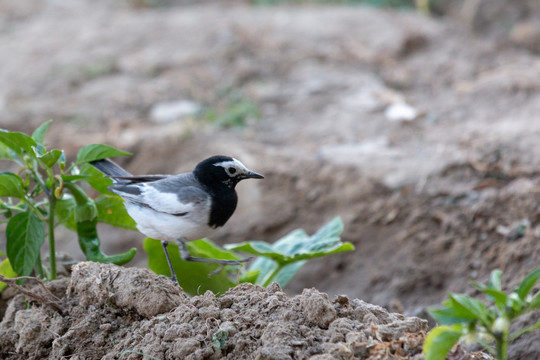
527 34
401 112
171 111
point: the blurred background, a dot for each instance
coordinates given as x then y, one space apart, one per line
415 121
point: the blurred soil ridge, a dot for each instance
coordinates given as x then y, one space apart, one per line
422 133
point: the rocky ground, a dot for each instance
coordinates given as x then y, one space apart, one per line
420 132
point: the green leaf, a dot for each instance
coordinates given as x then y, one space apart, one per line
468 307
219 339
292 243
497 296
332 229
495 280
249 276
265 267
39 134
11 185
259 248
528 283
66 178
6 153
25 233
297 245
535 302
329 249
515 304
440 341
193 276
50 158
286 273
39 150
111 211
18 142
65 211
303 253
449 316
96 179
298 242
97 152
7 271
206 248
294 248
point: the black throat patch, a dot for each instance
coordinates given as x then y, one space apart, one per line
223 205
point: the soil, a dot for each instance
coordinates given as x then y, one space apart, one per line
420 132
101 317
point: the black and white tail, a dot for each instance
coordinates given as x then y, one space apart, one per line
110 168
120 175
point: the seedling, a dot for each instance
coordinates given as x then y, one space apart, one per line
231 109
44 192
219 339
281 260
463 317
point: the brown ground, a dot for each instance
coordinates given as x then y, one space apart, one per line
107 319
430 203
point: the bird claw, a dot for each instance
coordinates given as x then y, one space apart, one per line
228 262
217 271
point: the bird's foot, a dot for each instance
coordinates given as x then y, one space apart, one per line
229 262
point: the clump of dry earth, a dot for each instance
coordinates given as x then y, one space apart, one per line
109 312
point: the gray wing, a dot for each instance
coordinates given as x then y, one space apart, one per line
176 194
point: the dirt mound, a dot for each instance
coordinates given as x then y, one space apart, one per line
111 312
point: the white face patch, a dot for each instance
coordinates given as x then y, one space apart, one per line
233 167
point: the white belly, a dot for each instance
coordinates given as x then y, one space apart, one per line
161 226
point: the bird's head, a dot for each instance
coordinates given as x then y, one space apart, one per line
224 170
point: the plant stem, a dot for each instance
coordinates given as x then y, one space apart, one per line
39 268
34 208
501 344
272 275
52 250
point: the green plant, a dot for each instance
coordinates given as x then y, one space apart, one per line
464 317
277 262
44 193
231 108
193 277
219 339
6 270
281 260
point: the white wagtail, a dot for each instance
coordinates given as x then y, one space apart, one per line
181 207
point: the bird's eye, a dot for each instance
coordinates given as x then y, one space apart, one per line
231 170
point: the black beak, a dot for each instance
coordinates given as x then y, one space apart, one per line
253 175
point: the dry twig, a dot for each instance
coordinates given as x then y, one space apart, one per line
50 299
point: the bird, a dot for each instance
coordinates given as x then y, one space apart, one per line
182 207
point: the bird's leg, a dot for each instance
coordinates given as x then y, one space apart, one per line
184 254
217 271
164 244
